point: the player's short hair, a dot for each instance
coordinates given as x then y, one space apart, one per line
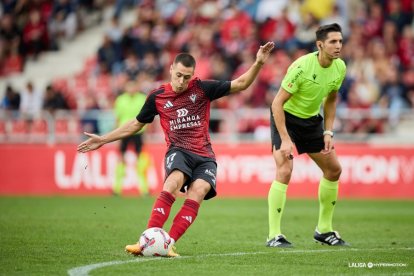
322 32
185 59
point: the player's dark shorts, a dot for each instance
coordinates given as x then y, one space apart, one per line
307 134
136 140
194 166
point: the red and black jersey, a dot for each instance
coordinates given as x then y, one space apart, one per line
185 116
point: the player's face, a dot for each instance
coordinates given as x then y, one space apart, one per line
332 46
180 77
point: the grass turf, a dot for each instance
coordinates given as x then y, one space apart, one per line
51 236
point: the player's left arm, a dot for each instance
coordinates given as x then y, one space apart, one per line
246 79
329 110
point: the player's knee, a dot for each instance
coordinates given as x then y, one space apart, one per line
334 172
198 191
284 172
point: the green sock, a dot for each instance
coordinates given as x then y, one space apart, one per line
276 200
119 177
328 194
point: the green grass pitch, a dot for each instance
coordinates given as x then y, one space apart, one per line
87 236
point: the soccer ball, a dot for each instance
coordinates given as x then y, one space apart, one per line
155 242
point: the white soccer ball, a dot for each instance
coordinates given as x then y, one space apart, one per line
155 242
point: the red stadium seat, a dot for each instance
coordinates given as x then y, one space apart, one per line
80 85
19 127
3 131
67 130
39 127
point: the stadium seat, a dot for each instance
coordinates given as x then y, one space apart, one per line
19 127
67 130
3 131
61 84
39 127
103 85
39 131
80 85
89 66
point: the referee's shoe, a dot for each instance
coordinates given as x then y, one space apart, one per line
278 241
329 238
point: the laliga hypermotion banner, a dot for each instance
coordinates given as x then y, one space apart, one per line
244 170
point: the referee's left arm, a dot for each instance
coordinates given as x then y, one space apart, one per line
329 110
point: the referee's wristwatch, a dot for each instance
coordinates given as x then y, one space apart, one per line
328 132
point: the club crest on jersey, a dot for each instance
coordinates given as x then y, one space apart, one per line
193 97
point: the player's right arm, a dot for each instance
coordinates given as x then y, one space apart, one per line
95 141
280 99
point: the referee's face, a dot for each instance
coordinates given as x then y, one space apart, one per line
180 77
332 46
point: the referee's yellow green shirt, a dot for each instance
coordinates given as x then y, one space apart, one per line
127 107
309 83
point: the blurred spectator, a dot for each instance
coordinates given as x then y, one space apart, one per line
115 31
406 47
142 43
394 96
318 8
395 14
54 100
63 20
151 65
31 102
304 34
279 30
35 37
374 21
236 25
270 9
11 99
89 120
339 17
359 118
10 35
131 66
109 57
390 37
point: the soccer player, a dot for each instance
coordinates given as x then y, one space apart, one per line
311 80
183 105
126 106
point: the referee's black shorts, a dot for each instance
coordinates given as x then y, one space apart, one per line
307 134
136 140
194 166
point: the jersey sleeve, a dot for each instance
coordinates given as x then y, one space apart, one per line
215 89
293 78
148 111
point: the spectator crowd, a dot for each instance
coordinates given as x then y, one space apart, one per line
223 36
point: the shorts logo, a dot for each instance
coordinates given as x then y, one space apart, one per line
169 160
212 174
182 112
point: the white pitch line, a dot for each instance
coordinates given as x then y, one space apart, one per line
84 270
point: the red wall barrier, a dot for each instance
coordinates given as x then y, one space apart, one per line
243 170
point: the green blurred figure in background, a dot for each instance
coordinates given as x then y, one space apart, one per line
127 106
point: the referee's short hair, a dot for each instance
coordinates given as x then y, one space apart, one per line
322 32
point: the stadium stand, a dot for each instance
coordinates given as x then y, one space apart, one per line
138 39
